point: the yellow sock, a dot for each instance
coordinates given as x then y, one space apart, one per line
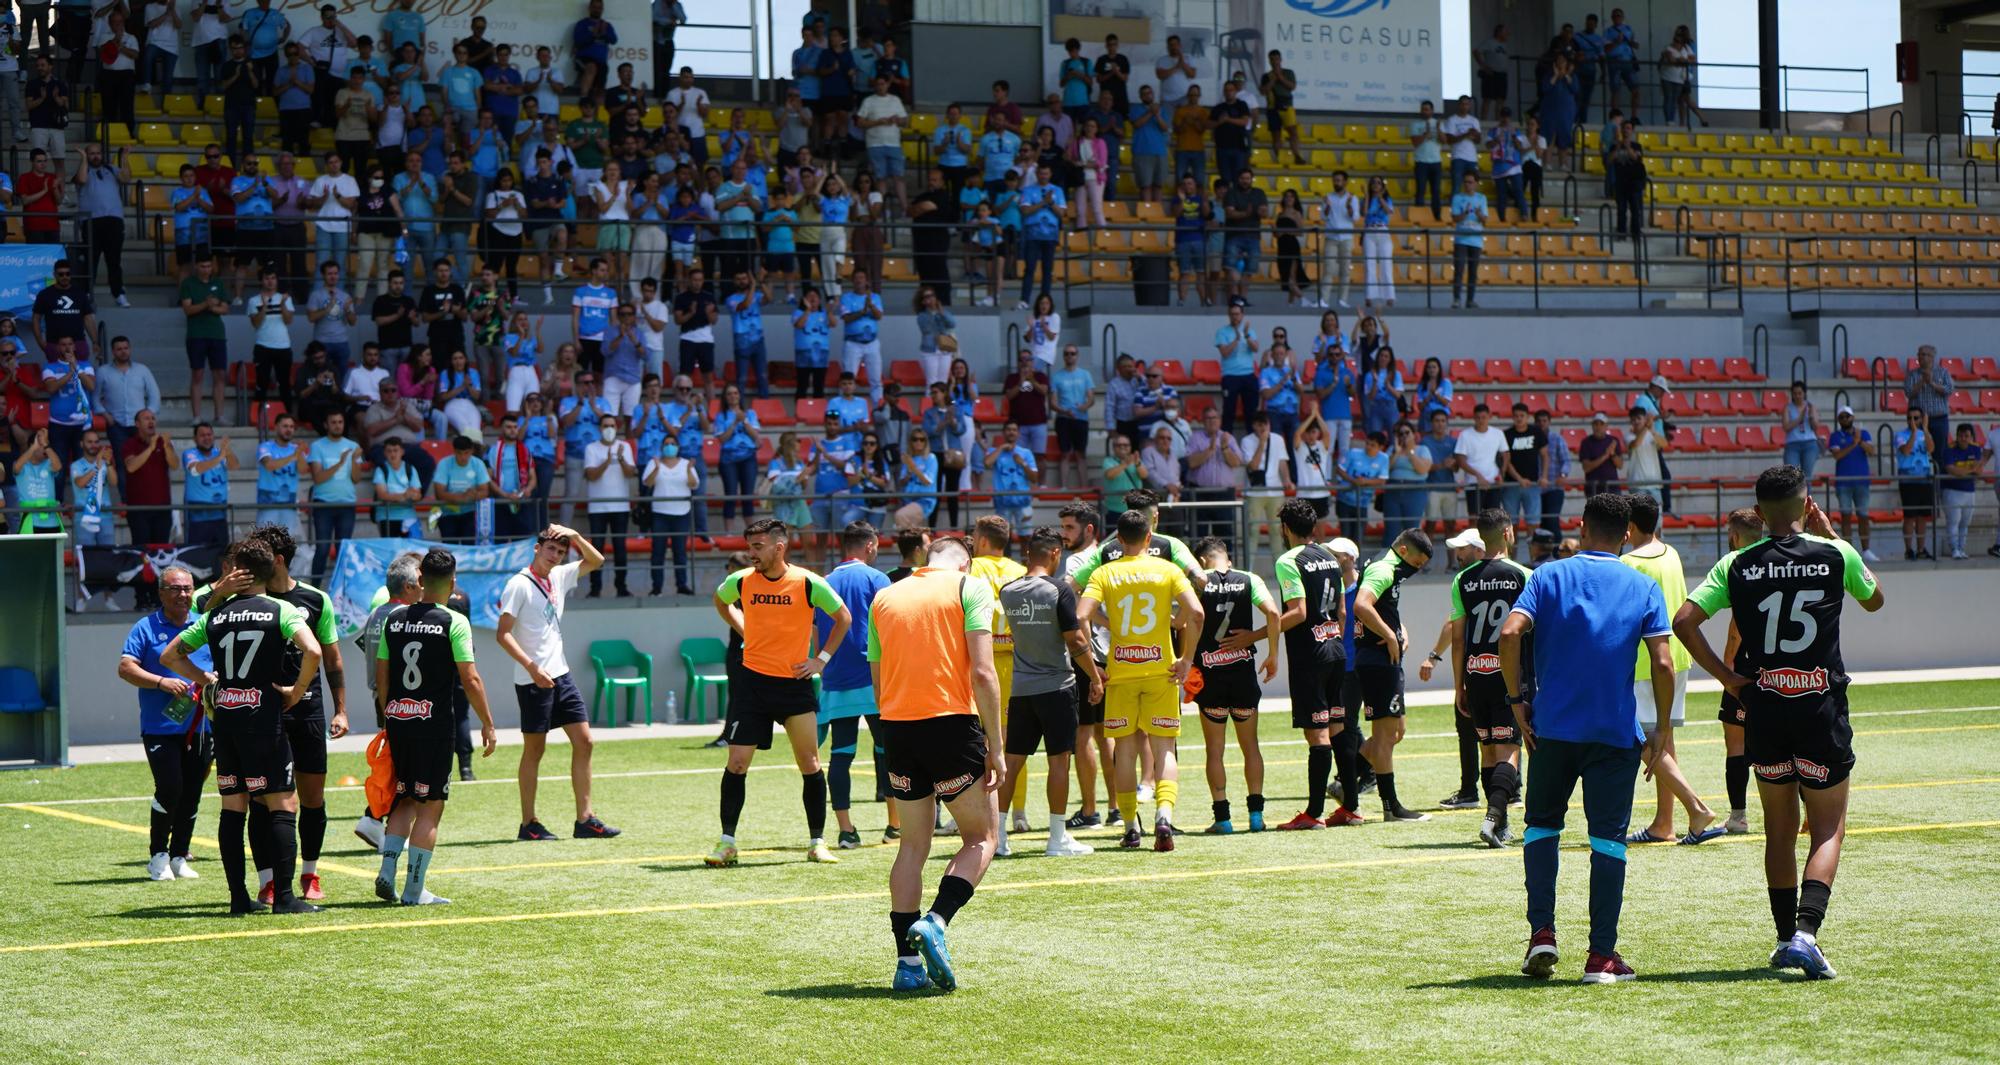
1019 800
1165 794
1128 806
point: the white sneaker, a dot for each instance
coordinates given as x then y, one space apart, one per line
1001 849
1738 823
1344 305
182 870
1020 820
370 831
1959 554
1869 555
156 867
1145 794
123 302
548 295
1021 305
1069 848
428 899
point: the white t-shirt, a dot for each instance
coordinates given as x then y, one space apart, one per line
364 382
509 204
656 339
1466 150
1674 73
333 215
1274 464
1340 211
618 207
689 103
1642 461
882 105
671 490
274 333
610 492
209 27
1481 451
124 61
166 36
1315 467
537 612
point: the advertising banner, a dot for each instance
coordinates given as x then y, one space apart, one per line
24 271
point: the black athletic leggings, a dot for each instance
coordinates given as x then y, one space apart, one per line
180 772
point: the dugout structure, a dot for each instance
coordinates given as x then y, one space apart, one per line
34 712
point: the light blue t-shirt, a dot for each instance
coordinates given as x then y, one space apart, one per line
951 143
594 304
454 476
1918 462
395 479
71 405
582 431
996 153
733 429
37 480
746 316
281 485
1147 137
1241 362
1286 399
1359 463
1589 611
211 486
852 413
1011 467
778 239
327 453
1471 229
402 27
1041 211
690 434
811 339
419 207
461 87
1072 388
861 330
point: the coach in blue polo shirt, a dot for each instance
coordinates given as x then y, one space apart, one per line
172 727
1580 722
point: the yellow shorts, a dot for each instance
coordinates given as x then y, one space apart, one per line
1151 705
1283 119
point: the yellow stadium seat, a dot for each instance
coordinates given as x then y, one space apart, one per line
156 133
1352 133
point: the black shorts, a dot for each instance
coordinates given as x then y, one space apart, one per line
1231 687
423 763
306 733
1072 434
1797 739
942 756
251 246
1381 689
547 709
697 355
1047 720
781 262
207 353
1492 85
1087 712
1917 498
252 759
1316 694
1491 717
1731 712
827 105
758 701
191 253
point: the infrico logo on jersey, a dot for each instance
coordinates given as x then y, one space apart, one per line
1778 571
1483 663
1224 657
1137 653
1790 681
408 710
238 698
770 599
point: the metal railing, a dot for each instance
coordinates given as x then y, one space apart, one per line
1839 85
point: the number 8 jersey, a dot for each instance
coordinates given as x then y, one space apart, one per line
1138 593
423 644
1786 596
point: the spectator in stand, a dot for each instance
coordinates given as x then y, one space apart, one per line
590 44
39 195
1244 208
1492 60
331 311
191 208
1848 445
1626 168
746 324
1150 404
1001 141
1403 498
1092 159
100 199
397 484
1914 467
741 434
1477 453
1213 457
1802 431
1278 389
1027 392
1426 138
1161 465
13 112
937 340
270 310
1434 391
671 480
609 467
333 197
1237 344
1959 464
1378 248
69 380
1152 122
1311 455
279 460
316 385
204 302
1364 471
1928 387
1644 462
1524 468
1177 73
1557 468
331 463
390 415
290 242
1382 389
37 486
861 343
1072 390
267 30
402 25
91 478
456 411
1042 208
242 86
124 388
395 315
1509 164
1441 503
47 99
1111 117
460 482
1267 472
148 496
1333 378
293 83
1468 243
1460 129
205 470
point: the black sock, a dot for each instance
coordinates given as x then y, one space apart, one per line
1255 801
1504 786
162 828
230 837
260 836
284 854
953 892
1486 783
1468 755
1736 771
1785 911
899 925
1813 896
732 800
1345 767
840 782
1319 759
312 831
813 794
1221 808
1385 785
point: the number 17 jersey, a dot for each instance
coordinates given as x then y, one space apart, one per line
1138 593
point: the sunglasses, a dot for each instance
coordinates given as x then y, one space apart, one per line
586 380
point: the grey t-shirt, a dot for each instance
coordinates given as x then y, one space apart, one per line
332 329
1039 611
371 631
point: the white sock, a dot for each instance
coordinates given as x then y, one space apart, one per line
310 868
1002 835
818 841
263 877
728 839
1058 832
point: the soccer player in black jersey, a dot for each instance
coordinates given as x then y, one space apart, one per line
1482 594
1309 583
1379 640
251 688
422 661
1226 662
1466 548
1746 527
1785 592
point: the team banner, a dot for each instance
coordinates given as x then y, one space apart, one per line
523 24
1348 55
361 566
103 570
24 271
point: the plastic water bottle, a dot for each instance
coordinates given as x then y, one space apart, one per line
673 708
402 252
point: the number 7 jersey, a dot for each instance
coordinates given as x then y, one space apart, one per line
1138 593
1786 594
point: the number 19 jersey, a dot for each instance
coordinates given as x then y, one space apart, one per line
1138 593
1483 594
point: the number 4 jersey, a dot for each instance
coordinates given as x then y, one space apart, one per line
1786 594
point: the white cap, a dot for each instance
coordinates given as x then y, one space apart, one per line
1844 409
1341 545
1599 417
1659 381
1469 537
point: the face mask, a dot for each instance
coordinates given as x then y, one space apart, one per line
374 184
671 450
608 435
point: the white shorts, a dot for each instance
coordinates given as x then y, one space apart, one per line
1649 716
621 397
521 380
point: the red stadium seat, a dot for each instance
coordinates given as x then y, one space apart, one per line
1678 405
1984 368
1738 368
1855 368
1611 405
906 372
1193 407
1462 404
1467 372
1963 403
1208 372
771 413
1604 371
439 450
811 411
1955 367
1675 370
711 452
1638 371
1707 371
1499 403
1534 401
1502 372
987 412
1574 438
1173 372
1746 404
265 415
1775 400
1989 400
1537 372
38 416
1754 438
1571 372
1896 402
1572 405
1711 404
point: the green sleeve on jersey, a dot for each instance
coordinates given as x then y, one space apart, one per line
1859 581
1182 557
290 620
381 644
1290 585
1712 595
196 635
874 641
1091 560
381 594
1457 600
1379 575
822 595
975 597
731 588
461 638
1259 594
329 622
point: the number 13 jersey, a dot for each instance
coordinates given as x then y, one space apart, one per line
1138 593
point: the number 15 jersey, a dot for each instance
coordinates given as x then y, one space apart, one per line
1138 593
1786 594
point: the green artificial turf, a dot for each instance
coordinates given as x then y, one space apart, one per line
1384 943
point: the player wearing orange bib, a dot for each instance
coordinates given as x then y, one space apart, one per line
771 605
1137 596
990 537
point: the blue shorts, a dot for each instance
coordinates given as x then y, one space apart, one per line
1188 254
547 709
886 162
1621 72
210 353
1851 496
1242 254
858 702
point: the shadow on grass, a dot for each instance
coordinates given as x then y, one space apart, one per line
202 910
1517 982
847 991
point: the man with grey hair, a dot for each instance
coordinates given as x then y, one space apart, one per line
401 586
1928 387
